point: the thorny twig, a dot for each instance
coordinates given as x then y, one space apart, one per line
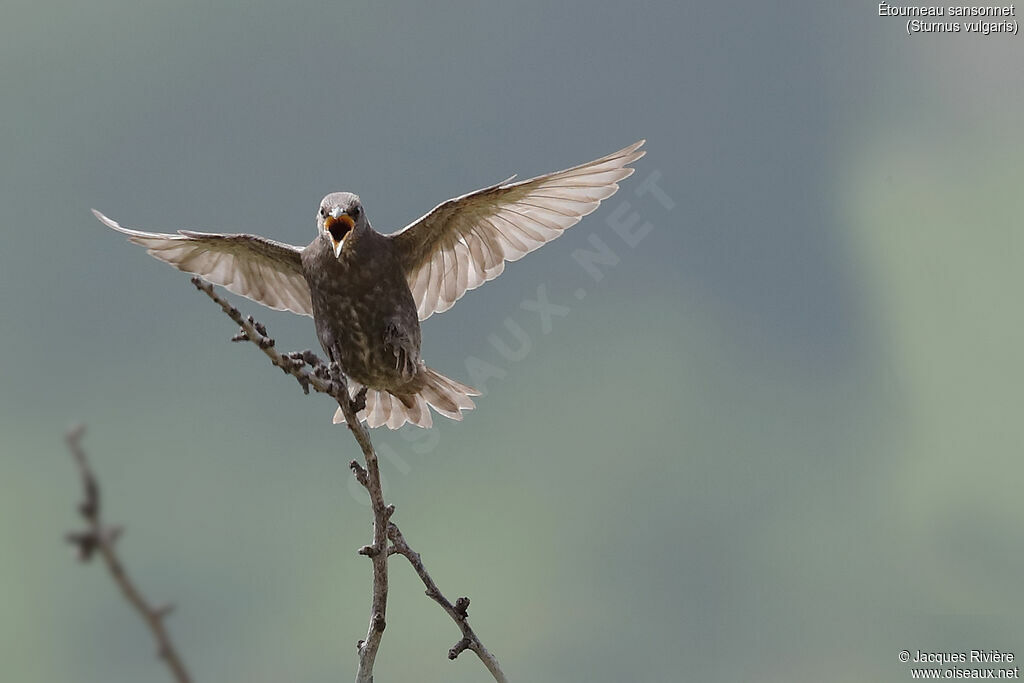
311 372
99 539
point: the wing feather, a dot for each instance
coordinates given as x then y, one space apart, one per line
268 272
465 241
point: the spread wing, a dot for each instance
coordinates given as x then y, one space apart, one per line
465 241
268 272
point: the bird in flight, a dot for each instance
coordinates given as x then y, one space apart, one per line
367 292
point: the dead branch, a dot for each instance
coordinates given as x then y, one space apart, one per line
311 372
99 539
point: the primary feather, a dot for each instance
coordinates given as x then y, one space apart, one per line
268 272
465 241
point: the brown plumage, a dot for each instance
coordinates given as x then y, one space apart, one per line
367 292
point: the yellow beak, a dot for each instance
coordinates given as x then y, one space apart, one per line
338 228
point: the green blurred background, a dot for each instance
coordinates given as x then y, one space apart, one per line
779 440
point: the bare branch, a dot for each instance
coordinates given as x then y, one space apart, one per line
370 479
311 372
329 380
98 539
459 612
305 366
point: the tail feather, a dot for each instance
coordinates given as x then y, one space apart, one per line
374 411
440 401
399 413
456 390
384 399
420 412
446 396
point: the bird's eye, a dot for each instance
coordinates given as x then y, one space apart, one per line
355 212
323 212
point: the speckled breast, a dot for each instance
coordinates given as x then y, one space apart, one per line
355 300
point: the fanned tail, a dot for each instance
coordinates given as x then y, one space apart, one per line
445 395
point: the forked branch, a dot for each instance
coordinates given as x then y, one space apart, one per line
311 372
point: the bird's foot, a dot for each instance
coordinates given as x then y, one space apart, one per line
401 348
404 363
335 370
358 402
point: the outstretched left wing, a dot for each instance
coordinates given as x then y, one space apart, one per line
465 241
268 272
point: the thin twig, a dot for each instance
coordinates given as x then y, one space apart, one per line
311 372
459 612
100 539
295 364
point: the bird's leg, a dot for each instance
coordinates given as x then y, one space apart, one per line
335 370
359 401
399 343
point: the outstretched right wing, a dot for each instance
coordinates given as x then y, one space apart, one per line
268 272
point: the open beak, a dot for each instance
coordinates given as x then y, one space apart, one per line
338 228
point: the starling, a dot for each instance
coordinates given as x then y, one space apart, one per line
368 292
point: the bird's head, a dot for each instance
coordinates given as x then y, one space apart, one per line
340 214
